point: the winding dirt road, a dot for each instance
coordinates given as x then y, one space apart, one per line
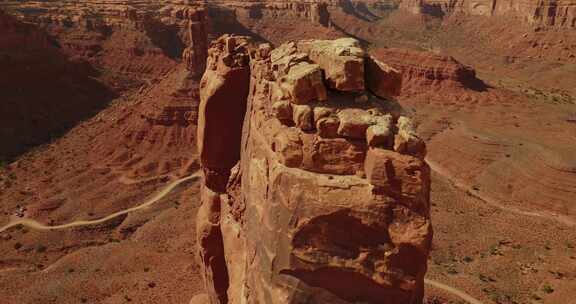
158 196
459 293
494 203
161 194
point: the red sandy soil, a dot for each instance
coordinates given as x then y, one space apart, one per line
145 256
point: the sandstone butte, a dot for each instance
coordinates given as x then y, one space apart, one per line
316 189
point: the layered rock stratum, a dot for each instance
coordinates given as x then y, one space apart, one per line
553 13
322 192
37 76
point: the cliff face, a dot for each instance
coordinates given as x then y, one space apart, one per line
553 13
145 39
321 195
134 42
16 35
157 135
43 92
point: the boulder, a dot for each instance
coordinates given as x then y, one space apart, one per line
342 61
381 134
354 123
382 80
283 111
407 141
303 117
304 84
328 127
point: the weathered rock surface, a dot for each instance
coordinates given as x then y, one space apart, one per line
342 60
223 93
320 208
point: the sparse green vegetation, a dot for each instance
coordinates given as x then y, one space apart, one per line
495 250
547 289
485 278
40 248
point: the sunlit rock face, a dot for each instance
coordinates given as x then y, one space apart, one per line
328 201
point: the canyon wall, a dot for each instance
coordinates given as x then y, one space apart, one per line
321 194
145 39
157 135
43 91
552 13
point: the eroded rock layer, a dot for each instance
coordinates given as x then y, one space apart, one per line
329 199
555 13
432 78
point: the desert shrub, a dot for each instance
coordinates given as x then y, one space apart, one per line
547 288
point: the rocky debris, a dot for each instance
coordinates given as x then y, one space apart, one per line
300 81
304 83
381 134
18 35
304 117
354 123
327 193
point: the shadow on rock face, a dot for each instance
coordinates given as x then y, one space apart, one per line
44 93
224 21
165 37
